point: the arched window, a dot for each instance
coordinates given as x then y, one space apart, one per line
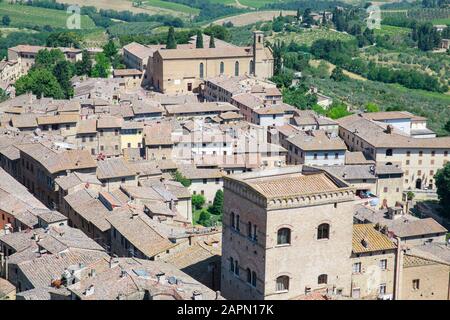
236 68
322 279
252 67
231 264
222 67
388 152
249 229
201 70
282 283
254 278
249 276
233 225
284 236
236 267
323 231
237 223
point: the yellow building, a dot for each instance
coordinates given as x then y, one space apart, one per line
184 69
373 264
131 135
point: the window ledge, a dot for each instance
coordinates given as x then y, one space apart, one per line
282 245
282 291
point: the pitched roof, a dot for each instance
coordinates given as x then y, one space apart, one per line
87 126
158 133
62 118
404 226
317 140
126 72
205 53
192 172
74 179
41 271
139 50
206 107
367 239
109 122
58 161
114 168
291 185
24 120
139 231
357 157
351 172
375 133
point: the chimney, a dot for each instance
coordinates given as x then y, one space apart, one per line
197 295
89 291
134 214
113 262
365 243
161 277
389 129
217 295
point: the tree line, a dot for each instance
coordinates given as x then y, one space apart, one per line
104 18
340 53
51 74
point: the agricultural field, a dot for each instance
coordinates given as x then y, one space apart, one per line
130 28
331 67
255 4
308 36
391 31
252 17
169 7
28 17
6 31
357 94
118 5
96 38
434 15
437 65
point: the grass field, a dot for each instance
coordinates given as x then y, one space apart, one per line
441 21
172 6
248 18
316 63
391 31
308 36
27 16
246 3
5 31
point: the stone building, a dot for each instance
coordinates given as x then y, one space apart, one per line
184 69
275 218
425 273
41 165
26 54
109 141
389 143
317 147
373 264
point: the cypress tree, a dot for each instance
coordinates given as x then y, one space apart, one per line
171 43
199 42
211 41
